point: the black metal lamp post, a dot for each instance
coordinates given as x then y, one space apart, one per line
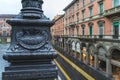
30 53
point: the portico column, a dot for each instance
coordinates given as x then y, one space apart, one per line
80 56
108 66
96 60
87 58
75 52
65 47
68 48
62 46
59 44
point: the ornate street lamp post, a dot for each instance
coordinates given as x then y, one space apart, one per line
30 53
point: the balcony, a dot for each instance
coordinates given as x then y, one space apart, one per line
66 25
72 24
94 38
112 12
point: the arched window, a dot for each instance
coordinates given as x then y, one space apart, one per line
115 55
102 58
78 47
73 46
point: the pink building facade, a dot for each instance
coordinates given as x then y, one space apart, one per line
58 27
92 17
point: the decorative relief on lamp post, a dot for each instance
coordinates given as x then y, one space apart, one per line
32 38
30 53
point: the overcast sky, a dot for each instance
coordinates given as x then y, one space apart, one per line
50 7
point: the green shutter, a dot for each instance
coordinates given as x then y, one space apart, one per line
116 24
90 30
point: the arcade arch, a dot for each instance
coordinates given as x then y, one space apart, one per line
115 60
91 51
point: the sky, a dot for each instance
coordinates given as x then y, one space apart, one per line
50 7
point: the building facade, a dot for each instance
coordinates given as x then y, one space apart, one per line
92 35
58 27
4 27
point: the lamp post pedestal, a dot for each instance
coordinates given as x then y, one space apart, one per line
30 53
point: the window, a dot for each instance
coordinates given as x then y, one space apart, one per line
69 20
101 7
77 5
65 31
83 14
91 0
116 3
73 18
83 3
69 31
77 27
4 33
73 46
78 47
91 11
72 31
72 9
0 25
90 30
66 21
101 29
116 28
77 17
83 30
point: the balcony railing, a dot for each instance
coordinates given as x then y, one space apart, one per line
112 11
72 23
101 37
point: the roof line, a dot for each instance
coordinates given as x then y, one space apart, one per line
69 5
